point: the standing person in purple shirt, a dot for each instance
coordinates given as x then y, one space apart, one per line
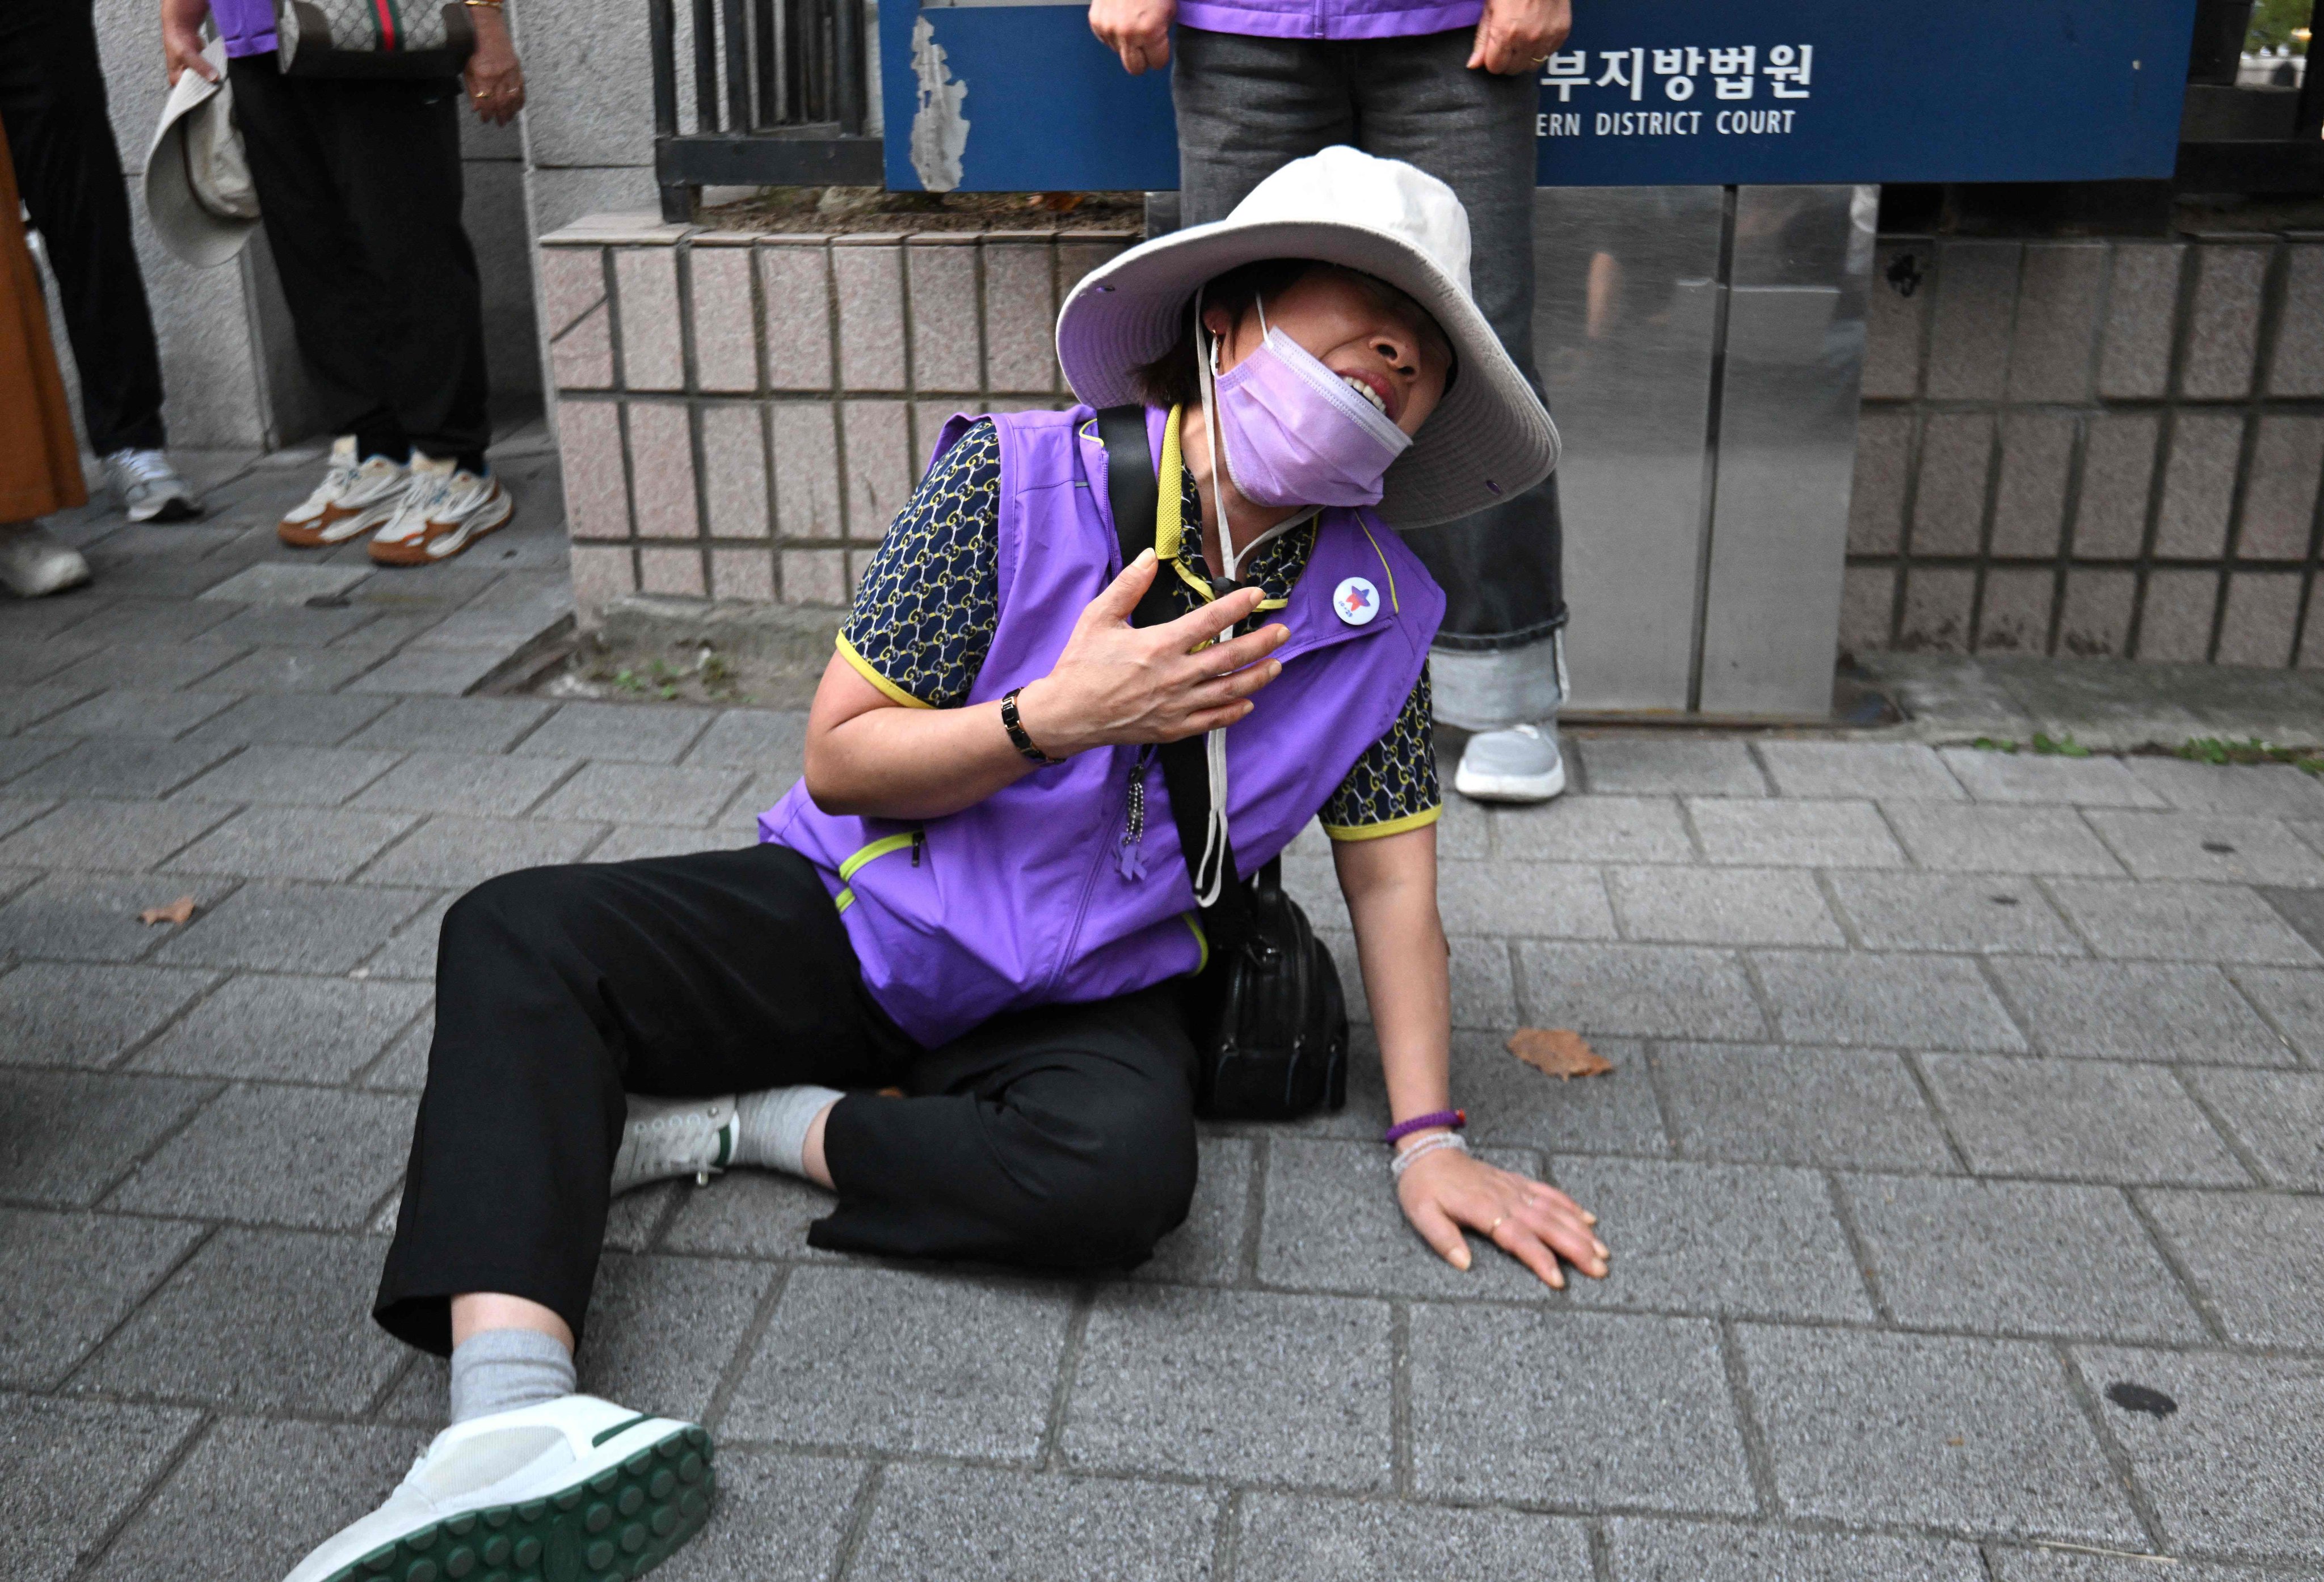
359 184
1448 86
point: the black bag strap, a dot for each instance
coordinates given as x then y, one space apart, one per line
1132 490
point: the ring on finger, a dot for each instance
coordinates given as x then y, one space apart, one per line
1496 1225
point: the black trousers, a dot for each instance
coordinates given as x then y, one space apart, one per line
69 170
1062 1138
359 184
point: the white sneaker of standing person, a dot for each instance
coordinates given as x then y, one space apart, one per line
573 1487
356 496
1521 764
149 488
449 508
33 562
675 1137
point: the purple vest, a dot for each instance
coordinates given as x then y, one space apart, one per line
1021 899
248 26
1330 19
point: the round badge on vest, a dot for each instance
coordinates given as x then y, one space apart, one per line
1355 600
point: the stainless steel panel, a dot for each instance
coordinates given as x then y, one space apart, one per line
1786 449
1623 323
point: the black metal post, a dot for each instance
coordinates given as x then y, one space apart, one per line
662 29
738 65
705 66
762 42
847 65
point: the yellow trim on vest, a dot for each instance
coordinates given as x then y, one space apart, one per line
1385 570
1202 942
843 900
1169 515
1381 831
876 850
888 689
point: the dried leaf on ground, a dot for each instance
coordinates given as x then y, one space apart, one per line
1558 1052
180 910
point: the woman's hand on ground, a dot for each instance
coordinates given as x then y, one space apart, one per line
495 79
181 39
1519 35
1534 1224
1116 683
1139 31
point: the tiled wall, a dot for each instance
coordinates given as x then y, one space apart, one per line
2104 447
741 415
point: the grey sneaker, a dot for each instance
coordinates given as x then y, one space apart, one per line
149 487
33 562
1520 764
675 1137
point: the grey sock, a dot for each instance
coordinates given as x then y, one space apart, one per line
501 1370
772 1126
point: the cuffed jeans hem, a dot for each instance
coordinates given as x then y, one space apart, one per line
1496 688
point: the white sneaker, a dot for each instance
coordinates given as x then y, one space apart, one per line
1521 764
675 1137
448 509
574 1487
149 487
33 562
352 499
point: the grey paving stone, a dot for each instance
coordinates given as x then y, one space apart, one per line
257 1320
1207 1250
265 1492
966 1525
287 583
15 812
79 917
452 724
618 733
2215 846
70 1279
2258 1257
1690 765
459 853
1980 838
1293 1538
55 1520
2278 1116
292 928
1987 913
1330 1222
939 1364
25 660
411 952
415 673
633 841
1647 1550
442 782
1846 1109
403 1068
159 666
628 1353
1793 834
288 670
1553 900
1726 1239
2303 909
291 626
317 1158
644 794
1574 1409
751 738
2079 1120
750 1214
137 713
1929 1002
2238 1468
2259 790
293 842
24 707
52 1014
301 1029
1184 1381
1970 1436
777 1518
1723 906
118 769
2148 1010
2294 1000
2025 777
1903 771
20 755
297 719
1595 829
2016 1257
67 1136
310 776
1653 991
2182 922
2018 1565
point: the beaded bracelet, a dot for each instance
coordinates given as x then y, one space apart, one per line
1454 1118
1436 1144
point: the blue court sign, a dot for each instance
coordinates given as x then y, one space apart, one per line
1002 97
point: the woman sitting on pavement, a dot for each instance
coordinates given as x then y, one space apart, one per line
960 903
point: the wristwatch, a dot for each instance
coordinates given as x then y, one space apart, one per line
1016 729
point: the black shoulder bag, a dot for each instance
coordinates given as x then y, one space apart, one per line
1270 1023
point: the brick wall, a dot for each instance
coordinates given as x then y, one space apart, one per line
741 415
2092 448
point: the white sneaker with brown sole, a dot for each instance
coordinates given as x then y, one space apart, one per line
448 509
355 497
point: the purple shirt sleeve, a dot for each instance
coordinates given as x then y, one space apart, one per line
248 26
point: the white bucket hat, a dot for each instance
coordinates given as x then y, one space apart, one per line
197 187
1488 440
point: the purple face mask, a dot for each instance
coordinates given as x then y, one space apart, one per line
1296 434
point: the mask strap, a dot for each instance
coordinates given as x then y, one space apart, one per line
1208 868
1207 363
